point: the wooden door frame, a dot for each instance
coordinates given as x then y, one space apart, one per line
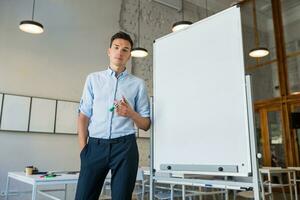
265 132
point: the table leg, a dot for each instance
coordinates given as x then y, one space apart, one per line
172 191
7 187
295 184
66 190
262 187
290 185
226 194
200 193
282 187
183 192
226 190
34 191
270 185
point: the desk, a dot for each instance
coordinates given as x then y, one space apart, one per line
35 181
271 171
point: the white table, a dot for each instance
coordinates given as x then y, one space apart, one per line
271 171
37 180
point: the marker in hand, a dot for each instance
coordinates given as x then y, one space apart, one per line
124 109
114 106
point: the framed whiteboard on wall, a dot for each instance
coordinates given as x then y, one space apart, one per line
15 113
66 117
42 115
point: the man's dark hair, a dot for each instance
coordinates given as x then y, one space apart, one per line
121 35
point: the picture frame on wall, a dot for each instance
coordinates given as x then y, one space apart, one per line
15 112
66 117
42 115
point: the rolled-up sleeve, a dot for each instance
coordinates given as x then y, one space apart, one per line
142 105
86 102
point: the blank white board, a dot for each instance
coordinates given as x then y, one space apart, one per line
200 110
42 115
15 114
66 117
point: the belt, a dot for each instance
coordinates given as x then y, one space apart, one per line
114 140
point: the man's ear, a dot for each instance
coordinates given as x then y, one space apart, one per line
108 51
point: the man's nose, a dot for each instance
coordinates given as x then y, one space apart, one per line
120 52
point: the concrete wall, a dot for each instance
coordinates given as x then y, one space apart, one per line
156 20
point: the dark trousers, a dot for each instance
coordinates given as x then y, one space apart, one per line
120 155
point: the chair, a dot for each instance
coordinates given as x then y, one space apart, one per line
106 189
165 192
278 172
212 192
269 172
249 194
140 189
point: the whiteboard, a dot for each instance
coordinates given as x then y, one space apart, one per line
200 110
66 117
42 115
15 114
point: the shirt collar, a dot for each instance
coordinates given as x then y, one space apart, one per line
113 73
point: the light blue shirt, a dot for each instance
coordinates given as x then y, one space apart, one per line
100 91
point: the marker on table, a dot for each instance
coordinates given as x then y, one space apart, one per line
208 185
49 176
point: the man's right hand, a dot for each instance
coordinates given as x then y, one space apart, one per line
83 122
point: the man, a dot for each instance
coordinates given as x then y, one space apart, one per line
112 101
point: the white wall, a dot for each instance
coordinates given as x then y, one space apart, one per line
54 65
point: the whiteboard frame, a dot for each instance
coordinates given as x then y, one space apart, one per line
63 115
156 177
20 120
169 90
42 119
29 113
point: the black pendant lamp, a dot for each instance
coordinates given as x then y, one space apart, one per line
138 51
31 26
258 51
181 24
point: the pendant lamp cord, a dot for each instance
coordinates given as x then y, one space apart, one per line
182 17
139 5
255 24
206 11
33 9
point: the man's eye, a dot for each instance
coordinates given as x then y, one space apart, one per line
125 50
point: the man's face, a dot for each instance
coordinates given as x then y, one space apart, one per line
119 52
